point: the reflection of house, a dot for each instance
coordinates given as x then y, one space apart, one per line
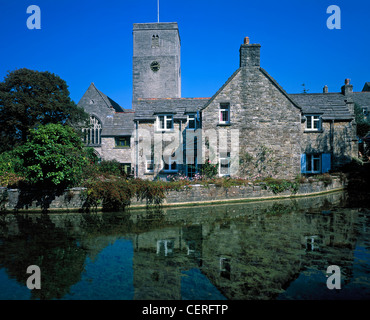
253 256
164 133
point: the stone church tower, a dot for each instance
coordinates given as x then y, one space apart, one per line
156 61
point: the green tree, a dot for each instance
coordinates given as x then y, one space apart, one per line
30 98
363 123
53 156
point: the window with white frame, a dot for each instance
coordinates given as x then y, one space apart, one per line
149 165
192 121
165 247
224 165
165 122
313 163
224 113
170 164
313 123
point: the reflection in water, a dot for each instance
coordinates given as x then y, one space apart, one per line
260 250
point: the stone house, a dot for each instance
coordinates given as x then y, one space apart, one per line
249 127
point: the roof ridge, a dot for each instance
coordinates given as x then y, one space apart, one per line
274 82
222 87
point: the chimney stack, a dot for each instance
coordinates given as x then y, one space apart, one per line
249 54
347 88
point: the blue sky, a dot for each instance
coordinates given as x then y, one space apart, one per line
86 41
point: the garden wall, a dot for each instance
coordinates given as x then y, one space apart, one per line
75 200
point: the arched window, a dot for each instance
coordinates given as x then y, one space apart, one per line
92 135
155 41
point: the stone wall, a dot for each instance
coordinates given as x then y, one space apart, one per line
335 138
264 117
165 82
74 199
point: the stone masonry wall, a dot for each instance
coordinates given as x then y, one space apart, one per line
74 199
263 115
336 140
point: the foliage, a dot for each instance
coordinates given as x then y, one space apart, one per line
325 178
53 156
31 98
281 185
263 164
362 122
116 194
209 170
10 166
111 167
245 161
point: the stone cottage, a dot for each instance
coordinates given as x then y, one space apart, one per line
249 127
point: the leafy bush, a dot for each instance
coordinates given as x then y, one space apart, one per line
53 156
281 185
116 194
10 166
209 170
326 178
112 167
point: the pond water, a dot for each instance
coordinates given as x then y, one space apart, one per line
272 250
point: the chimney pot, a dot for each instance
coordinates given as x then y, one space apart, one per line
346 81
325 90
246 40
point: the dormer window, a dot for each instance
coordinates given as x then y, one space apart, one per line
224 113
165 122
313 122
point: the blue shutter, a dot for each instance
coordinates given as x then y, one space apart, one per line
326 162
303 163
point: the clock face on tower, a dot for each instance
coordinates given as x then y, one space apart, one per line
154 66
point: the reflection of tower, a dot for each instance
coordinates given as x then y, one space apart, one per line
155 262
156 61
160 256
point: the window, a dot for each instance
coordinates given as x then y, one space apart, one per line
92 135
149 165
170 164
191 158
313 163
122 142
225 269
155 41
165 122
313 123
224 164
192 121
165 247
365 112
224 113
126 168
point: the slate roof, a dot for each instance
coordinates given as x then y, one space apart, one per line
266 74
148 109
332 106
109 101
366 87
361 98
119 124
